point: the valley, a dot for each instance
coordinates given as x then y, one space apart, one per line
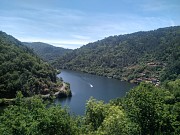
30 79
89 67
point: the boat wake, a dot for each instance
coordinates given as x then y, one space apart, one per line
91 85
86 80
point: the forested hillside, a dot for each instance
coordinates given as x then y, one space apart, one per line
21 70
151 56
45 51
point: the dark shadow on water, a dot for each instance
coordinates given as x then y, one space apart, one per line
63 101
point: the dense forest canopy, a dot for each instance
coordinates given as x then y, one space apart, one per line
150 56
46 51
145 110
21 70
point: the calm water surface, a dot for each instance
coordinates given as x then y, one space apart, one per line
84 86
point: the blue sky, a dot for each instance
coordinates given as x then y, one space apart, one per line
73 23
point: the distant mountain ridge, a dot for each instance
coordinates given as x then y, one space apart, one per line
142 56
46 51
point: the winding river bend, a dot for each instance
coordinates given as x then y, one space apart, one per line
84 86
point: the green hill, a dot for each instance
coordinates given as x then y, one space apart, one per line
149 56
45 51
21 70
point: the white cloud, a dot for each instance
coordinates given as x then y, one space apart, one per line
172 23
159 5
68 46
73 28
82 37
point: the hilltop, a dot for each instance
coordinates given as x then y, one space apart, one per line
151 56
46 51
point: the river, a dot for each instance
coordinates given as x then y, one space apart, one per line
84 86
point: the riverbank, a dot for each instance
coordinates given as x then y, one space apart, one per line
63 91
154 80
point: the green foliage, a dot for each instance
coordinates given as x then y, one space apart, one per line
145 110
21 69
95 113
149 107
32 117
47 52
174 88
106 119
174 103
152 54
117 123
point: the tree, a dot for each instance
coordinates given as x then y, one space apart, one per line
107 119
32 117
146 105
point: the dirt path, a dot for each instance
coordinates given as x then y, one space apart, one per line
56 93
61 89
